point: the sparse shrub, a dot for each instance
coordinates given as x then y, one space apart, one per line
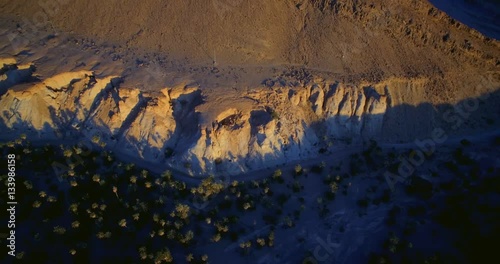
75 224
59 230
182 211
208 188
122 223
261 242
96 178
271 238
67 153
298 170
167 175
36 204
334 187
163 256
96 139
275 115
247 206
216 237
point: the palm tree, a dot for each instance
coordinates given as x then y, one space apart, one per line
133 179
182 211
68 153
96 139
115 190
75 224
96 178
143 253
261 242
59 230
167 175
277 173
216 237
74 208
163 256
135 216
298 169
36 204
271 239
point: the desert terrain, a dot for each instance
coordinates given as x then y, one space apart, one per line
206 102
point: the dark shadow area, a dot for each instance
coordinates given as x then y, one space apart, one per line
14 76
406 123
482 15
449 208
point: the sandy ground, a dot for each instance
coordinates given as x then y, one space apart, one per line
376 41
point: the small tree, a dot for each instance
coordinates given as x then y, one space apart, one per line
261 242
75 224
36 204
96 178
298 169
59 230
163 256
182 211
122 223
96 139
216 237
271 239
68 153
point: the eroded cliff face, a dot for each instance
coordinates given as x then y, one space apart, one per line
183 127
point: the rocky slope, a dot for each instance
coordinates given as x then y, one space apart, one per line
297 79
184 127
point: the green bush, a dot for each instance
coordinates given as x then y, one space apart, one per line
298 170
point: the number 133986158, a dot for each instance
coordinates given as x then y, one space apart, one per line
11 180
